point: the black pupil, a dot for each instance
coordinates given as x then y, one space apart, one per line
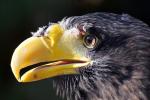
89 39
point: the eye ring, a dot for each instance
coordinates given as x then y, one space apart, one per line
90 41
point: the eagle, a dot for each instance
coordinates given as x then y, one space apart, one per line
96 56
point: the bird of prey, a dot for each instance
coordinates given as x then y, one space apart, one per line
97 56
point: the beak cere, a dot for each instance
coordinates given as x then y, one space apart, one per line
38 58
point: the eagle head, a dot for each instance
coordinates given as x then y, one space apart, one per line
97 56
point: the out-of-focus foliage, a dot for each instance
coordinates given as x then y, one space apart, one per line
20 17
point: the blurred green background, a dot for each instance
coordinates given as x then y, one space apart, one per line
20 17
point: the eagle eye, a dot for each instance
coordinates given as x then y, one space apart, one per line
90 41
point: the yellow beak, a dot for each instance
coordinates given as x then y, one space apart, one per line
43 57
